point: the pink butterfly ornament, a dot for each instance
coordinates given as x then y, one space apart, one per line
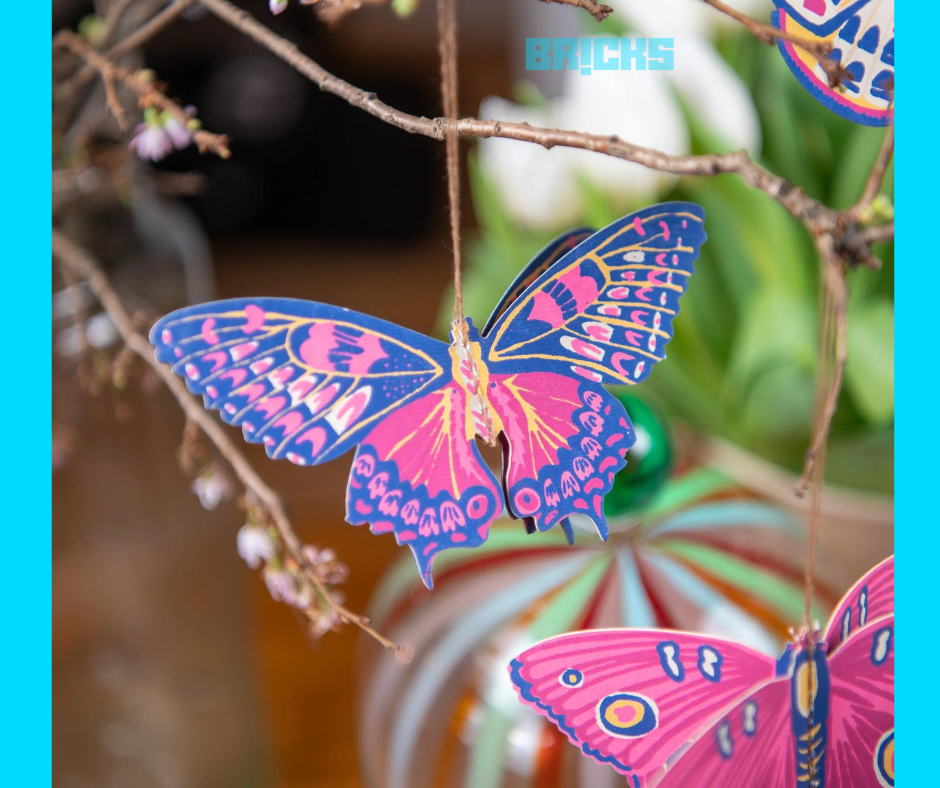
670 709
702 553
312 381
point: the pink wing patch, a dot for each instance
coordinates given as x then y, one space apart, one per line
750 746
565 440
870 598
633 698
422 477
861 717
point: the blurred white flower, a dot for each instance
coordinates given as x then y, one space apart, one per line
540 188
277 6
254 545
212 487
285 587
160 134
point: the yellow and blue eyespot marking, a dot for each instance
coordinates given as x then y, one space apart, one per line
627 715
884 759
572 677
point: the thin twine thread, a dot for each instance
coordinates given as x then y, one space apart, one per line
447 46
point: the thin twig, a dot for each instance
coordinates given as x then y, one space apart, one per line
599 11
113 19
148 93
879 233
112 99
770 35
83 265
876 177
134 41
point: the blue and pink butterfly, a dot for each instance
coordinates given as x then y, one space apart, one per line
311 381
860 34
679 710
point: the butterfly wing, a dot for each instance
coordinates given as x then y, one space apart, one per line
565 441
870 598
310 381
749 746
861 717
633 698
861 34
602 314
421 476
544 260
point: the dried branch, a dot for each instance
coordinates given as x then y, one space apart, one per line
82 265
599 11
770 35
134 41
816 216
147 91
876 177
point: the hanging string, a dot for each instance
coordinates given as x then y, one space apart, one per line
447 44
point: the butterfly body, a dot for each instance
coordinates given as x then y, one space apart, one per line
677 710
311 381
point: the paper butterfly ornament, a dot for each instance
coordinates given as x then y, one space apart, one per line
310 381
677 710
861 34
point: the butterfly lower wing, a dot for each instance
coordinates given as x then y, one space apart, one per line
604 311
421 476
307 380
861 36
633 698
544 260
750 746
565 441
870 598
861 717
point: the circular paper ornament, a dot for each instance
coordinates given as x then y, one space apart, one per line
701 555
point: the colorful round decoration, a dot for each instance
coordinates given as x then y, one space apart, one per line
701 554
884 760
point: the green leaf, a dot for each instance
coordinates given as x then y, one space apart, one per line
869 373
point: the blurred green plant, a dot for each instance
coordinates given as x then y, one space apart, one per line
743 360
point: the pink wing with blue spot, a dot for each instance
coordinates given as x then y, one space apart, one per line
635 698
600 315
870 598
749 746
861 716
310 381
861 35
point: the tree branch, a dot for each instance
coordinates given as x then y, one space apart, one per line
876 177
81 264
599 11
147 92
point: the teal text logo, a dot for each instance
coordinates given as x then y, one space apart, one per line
600 54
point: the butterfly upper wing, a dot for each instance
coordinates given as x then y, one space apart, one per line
749 746
633 698
310 381
539 264
601 314
861 717
870 598
604 311
422 476
861 34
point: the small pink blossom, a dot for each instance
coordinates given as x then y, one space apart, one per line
160 133
254 545
212 487
277 6
283 587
